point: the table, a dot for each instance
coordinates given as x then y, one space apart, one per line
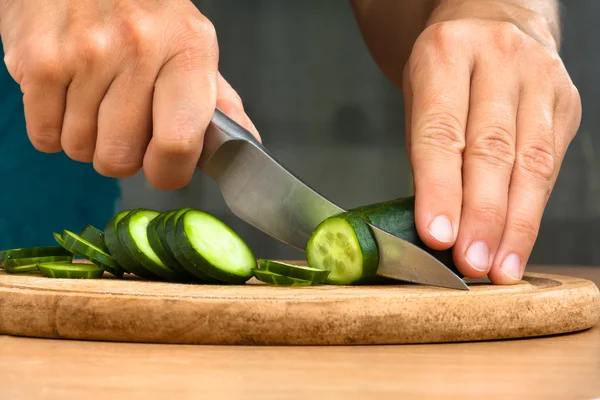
561 367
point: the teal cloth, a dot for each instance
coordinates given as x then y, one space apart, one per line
43 193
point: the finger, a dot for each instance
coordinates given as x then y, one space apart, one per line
487 165
80 124
231 104
440 100
533 177
125 122
184 102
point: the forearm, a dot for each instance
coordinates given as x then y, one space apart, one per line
391 27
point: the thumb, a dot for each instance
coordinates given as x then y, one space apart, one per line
230 102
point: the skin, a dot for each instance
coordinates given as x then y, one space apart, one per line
491 110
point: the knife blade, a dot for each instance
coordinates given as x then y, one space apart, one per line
262 192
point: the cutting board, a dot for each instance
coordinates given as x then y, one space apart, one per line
132 310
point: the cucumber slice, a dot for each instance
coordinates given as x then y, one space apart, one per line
279 280
173 245
345 246
396 217
214 248
120 253
95 236
163 254
294 271
133 232
43 251
16 262
22 269
81 247
67 270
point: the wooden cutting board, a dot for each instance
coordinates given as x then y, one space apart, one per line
132 310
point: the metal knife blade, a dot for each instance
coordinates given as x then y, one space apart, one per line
262 192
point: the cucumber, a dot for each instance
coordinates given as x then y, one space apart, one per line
22 268
81 247
16 262
33 252
345 244
279 280
163 254
133 233
67 270
293 271
120 253
95 236
214 248
173 246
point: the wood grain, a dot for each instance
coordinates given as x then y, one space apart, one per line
258 314
554 367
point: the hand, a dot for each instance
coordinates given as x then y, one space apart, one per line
124 84
490 112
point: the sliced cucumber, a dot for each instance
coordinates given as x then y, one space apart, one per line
173 245
214 248
81 247
67 270
22 269
16 262
120 253
29 252
133 232
279 280
294 271
167 258
345 243
345 246
95 236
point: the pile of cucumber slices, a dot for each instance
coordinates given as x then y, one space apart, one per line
185 246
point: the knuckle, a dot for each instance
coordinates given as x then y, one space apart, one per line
43 63
524 228
200 27
442 130
137 36
506 37
537 160
494 145
46 140
116 161
442 37
490 214
93 46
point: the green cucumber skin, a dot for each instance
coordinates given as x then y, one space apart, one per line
199 263
166 257
161 231
16 262
397 217
293 271
73 242
120 253
76 271
20 269
33 252
173 245
95 236
124 233
272 278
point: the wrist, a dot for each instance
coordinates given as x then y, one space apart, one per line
538 20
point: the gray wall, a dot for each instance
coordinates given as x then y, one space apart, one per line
324 109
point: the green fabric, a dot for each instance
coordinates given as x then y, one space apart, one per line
43 193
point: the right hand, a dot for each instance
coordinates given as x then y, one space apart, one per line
125 84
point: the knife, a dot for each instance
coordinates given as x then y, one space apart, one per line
261 191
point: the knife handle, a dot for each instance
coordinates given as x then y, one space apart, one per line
222 129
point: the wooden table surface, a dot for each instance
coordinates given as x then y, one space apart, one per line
561 367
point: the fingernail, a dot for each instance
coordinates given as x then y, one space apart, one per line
478 256
511 266
441 229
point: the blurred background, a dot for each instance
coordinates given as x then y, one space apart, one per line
325 111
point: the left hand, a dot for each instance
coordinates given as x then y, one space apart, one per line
490 112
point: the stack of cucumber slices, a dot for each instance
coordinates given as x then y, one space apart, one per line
185 246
